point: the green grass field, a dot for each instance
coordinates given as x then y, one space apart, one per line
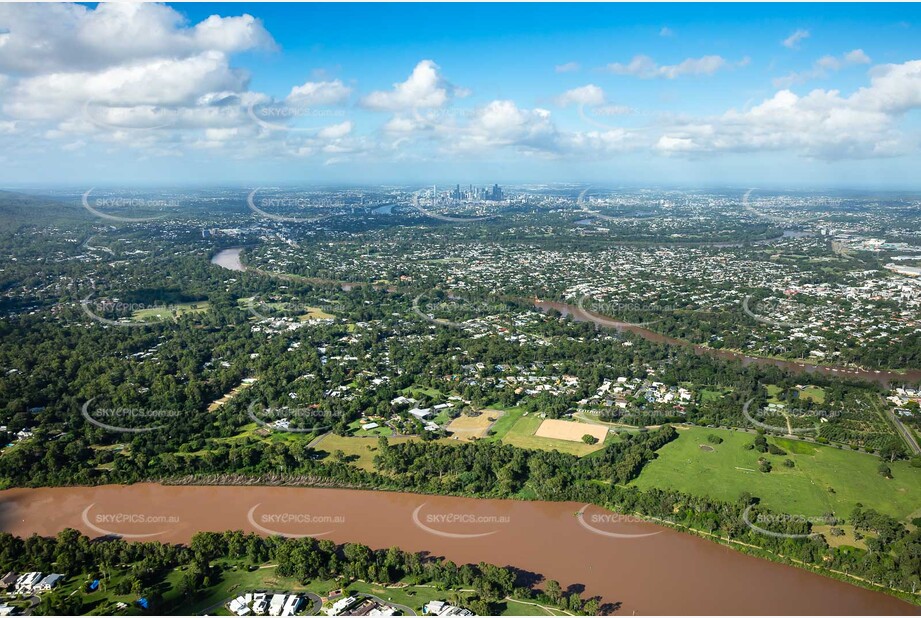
521 434
729 470
362 449
169 312
232 583
518 608
383 430
814 393
504 423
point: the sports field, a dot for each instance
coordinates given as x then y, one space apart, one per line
570 430
823 479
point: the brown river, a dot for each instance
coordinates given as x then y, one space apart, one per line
646 569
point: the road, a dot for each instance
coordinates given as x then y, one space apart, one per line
904 432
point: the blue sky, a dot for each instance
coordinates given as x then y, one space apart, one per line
787 95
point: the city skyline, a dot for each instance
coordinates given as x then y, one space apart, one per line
623 95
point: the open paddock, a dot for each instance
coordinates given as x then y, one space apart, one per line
468 427
570 430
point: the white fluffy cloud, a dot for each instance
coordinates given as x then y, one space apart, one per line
319 93
646 68
823 124
793 41
425 88
822 68
502 124
49 38
138 76
167 82
589 94
568 67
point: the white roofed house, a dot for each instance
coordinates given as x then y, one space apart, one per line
277 604
27 581
238 606
291 606
49 582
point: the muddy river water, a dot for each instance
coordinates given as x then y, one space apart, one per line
645 568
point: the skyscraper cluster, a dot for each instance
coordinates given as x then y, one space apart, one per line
472 193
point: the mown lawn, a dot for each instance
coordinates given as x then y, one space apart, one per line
824 479
521 434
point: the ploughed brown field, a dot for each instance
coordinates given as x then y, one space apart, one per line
645 569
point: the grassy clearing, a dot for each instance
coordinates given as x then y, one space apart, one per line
360 451
773 391
518 608
813 393
382 430
469 427
823 479
521 434
502 426
306 314
846 540
707 395
232 583
169 312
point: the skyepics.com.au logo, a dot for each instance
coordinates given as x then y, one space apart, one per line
617 412
786 413
286 203
429 210
127 524
582 201
98 206
293 524
457 524
128 118
591 313
269 309
126 419
131 314
785 220
771 312
759 522
430 306
294 420
285 116
613 525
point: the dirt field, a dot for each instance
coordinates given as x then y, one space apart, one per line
570 430
469 427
